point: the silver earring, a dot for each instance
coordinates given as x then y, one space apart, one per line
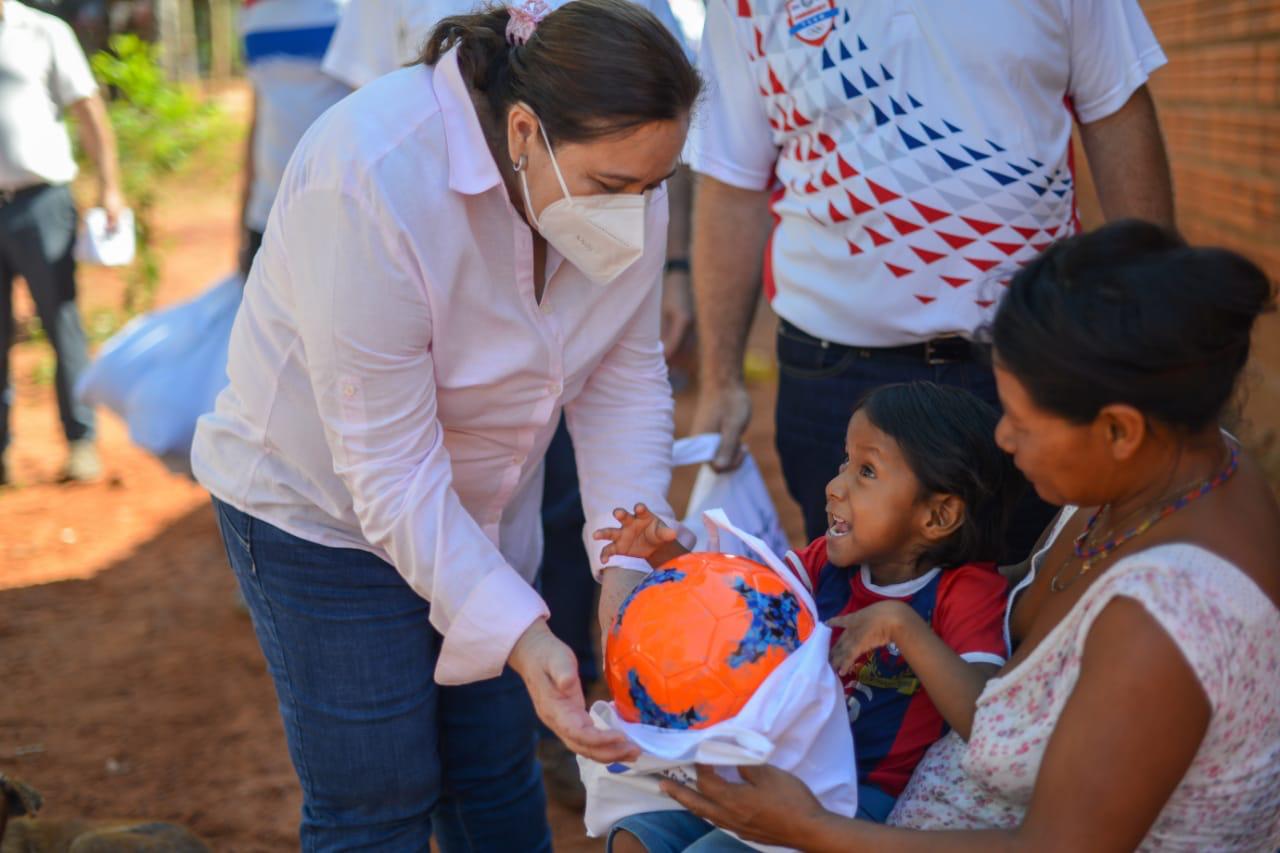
520 164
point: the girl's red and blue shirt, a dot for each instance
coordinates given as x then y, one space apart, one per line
893 720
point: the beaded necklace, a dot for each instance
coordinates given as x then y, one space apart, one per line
1090 555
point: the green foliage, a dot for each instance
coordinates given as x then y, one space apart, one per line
159 125
44 371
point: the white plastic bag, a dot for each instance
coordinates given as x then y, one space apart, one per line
741 493
796 720
164 370
97 245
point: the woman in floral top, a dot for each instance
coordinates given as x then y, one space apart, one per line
1141 706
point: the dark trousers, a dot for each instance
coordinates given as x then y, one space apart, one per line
565 576
252 242
37 235
817 390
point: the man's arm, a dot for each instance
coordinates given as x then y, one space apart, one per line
100 142
730 232
1130 167
677 290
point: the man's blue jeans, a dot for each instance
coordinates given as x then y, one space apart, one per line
385 756
817 389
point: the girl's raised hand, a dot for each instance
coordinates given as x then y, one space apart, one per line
640 535
865 630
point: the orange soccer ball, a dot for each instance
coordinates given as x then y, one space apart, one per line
694 640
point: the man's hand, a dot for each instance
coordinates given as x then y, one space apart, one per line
111 200
724 409
550 674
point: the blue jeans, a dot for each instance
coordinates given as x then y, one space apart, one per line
682 832
817 389
37 235
676 832
385 756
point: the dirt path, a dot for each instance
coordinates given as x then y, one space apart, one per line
130 684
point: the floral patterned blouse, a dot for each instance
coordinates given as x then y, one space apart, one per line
1228 630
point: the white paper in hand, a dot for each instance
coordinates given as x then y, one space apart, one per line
796 721
96 244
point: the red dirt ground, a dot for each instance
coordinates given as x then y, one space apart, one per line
130 684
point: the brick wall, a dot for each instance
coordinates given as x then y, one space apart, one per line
1219 103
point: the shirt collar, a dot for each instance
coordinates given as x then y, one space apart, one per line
906 589
471 167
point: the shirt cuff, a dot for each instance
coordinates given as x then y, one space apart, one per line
631 564
982 657
486 628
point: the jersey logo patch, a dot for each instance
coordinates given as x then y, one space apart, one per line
811 21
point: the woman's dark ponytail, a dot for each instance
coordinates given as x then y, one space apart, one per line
591 68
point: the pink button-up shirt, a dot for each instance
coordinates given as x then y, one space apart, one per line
395 383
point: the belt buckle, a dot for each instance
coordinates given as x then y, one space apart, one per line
932 357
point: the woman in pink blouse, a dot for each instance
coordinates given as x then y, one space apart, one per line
1140 708
458 252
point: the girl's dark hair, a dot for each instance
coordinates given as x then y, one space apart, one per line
947 436
1131 314
592 67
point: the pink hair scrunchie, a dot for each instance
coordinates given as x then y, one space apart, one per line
524 19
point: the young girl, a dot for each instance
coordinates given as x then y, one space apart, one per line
906 575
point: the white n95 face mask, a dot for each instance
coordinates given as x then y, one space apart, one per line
601 235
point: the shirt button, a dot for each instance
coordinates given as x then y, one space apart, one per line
546 307
554 389
348 390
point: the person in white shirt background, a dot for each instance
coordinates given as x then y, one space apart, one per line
458 252
358 54
915 154
44 76
284 43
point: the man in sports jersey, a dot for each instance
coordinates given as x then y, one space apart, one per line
914 154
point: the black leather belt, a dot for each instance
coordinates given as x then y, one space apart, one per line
10 196
949 349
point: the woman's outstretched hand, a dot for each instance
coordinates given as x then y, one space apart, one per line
550 673
769 806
